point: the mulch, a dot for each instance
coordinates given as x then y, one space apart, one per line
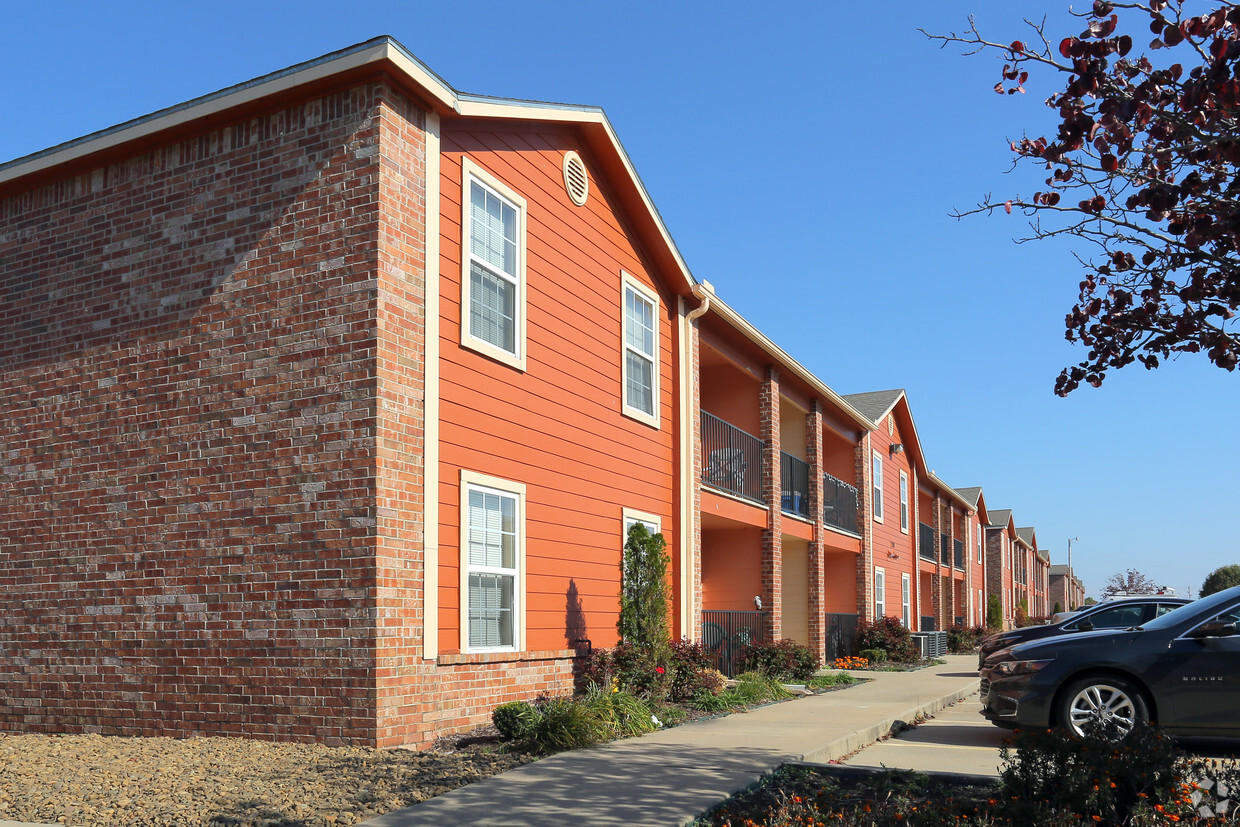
98 781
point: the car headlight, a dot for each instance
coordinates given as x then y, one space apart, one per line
1020 667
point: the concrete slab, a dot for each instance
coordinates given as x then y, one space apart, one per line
956 740
670 777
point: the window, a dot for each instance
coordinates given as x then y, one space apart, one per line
493 552
640 350
981 609
906 612
877 484
904 502
880 593
979 543
631 518
493 265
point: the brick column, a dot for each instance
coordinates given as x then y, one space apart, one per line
936 579
865 560
772 537
817 584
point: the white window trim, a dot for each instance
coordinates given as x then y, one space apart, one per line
906 600
904 502
628 282
473 480
471 172
880 592
979 543
629 516
876 486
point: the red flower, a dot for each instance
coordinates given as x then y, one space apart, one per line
659 669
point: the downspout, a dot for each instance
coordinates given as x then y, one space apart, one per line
689 552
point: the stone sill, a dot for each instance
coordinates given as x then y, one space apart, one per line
504 657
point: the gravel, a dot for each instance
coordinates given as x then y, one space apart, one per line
98 781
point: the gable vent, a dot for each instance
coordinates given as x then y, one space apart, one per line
575 179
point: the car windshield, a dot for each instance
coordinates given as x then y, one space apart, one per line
1206 606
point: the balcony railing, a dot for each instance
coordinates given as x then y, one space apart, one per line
958 553
732 459
945 548
925 541
794 479
726 634
839 504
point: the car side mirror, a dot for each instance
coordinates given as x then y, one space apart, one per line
1215 628
1085 626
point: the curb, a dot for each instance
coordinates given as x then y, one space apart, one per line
861 738
961 778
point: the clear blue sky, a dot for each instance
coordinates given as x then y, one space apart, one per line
805 157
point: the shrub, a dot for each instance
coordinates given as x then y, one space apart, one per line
994 612
643 590
631 668
692 671
756 688
714 703
621 713
962 639
825 681
784 661
889 634
874 655
567 723
516 721
1095 777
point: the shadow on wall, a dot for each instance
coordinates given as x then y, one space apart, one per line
576 635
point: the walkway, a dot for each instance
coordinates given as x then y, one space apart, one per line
667 778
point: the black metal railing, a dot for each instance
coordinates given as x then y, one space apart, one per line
732 459
839 504
841 636
945 549
925 541
794 481
725 634
927 623
958 553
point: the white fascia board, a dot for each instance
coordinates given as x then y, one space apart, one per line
743 326
234 96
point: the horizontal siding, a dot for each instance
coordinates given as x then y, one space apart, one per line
557 427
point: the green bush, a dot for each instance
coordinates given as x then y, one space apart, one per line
756 688
888 634
620 713
516 721
631 668
691 668
786 660
962 639
874 655
994 612
833 679
567 723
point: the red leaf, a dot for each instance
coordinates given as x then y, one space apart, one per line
1008 207
1017 47
1065 46
1110 163
998 88
1052 199
1125 45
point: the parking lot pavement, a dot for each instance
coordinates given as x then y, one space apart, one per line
957 740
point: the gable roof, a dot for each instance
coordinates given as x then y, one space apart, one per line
970 495
874 405
999 518
1026 534
379 56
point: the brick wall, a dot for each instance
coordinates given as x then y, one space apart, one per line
187 446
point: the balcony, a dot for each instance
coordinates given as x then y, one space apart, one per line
925 541
958 554
945 546
839 504
794 478
733 459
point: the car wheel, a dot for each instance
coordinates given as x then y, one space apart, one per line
1101 701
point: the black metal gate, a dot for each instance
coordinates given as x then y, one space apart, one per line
841 636
725 634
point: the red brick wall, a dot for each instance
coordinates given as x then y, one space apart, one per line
187 445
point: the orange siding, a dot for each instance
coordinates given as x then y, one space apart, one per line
894 550
557 427
731 568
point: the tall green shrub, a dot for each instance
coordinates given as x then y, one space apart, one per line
643 590
994 612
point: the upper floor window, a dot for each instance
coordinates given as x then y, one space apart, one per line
493 264
640 350
877 486
904 502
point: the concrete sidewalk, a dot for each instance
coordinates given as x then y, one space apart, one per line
667 778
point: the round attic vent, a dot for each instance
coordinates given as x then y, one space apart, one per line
575 179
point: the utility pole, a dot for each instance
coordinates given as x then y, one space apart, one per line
1071 591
